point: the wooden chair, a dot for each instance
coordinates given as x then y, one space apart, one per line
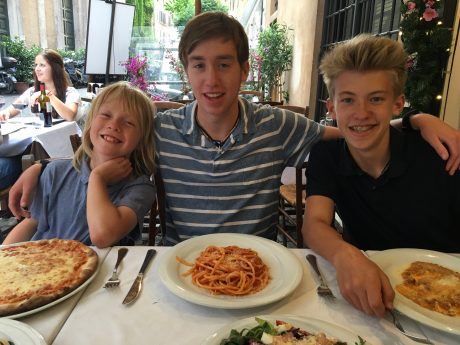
157 214
250 94
75 141
4 193
291 208
292 199
164 105
295 109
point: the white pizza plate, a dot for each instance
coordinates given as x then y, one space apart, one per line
19 333
308 324
59 300
285 271
394 261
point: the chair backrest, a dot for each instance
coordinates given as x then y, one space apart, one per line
75 141
162 105
157 211
252 93
295 108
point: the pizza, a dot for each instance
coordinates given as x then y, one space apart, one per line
33 274
432 286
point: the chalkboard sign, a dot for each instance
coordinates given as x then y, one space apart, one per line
98 34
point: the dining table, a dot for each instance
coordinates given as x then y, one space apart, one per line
97 315
24 132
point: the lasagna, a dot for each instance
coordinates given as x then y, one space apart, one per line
432 286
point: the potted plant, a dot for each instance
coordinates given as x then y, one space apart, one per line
274 57
25 57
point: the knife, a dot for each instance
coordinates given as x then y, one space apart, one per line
136 288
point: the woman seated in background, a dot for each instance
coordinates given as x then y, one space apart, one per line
49 69
65 100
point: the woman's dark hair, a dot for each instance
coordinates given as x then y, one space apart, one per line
61 79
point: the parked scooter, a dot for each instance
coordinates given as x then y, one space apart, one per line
75 71
7 79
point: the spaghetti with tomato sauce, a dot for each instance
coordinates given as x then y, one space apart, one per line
230 270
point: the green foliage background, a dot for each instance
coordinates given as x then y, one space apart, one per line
24 55
275 49
184 10
142 17
426 42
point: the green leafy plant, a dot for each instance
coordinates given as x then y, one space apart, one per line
427 41
275 57
24 55
76 55
184 10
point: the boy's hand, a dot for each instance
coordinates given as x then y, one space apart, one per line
437 133
364 285
114 170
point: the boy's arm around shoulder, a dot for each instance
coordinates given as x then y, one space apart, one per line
22 232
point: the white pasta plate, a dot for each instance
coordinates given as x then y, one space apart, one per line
285 271
312 325
19 333
394 261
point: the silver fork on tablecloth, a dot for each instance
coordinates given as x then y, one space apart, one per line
114 280
322 289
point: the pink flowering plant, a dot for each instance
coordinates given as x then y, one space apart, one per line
136 67
176 66
427 41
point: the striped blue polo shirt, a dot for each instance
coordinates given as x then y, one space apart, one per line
233 188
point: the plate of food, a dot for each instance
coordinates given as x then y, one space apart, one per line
230 271
427 285
15 332
36 275
283 329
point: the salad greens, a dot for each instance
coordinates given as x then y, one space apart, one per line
246 334
251 336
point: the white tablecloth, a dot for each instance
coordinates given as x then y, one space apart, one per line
55 140
159 317
50 321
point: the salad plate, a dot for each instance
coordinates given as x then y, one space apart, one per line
19 333
285 271
305 323
394 261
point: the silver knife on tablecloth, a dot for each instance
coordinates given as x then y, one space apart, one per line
136 288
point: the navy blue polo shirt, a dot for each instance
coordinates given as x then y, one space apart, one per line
415 203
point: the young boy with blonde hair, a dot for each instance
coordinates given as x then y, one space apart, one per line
389 187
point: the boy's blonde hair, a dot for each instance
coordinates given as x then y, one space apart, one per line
365 53
135 102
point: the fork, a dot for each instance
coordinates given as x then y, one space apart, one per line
322 290
419 339
114 280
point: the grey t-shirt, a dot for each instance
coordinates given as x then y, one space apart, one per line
59 204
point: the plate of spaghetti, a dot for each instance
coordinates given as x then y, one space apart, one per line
230 271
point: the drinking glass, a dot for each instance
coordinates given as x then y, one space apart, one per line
20 106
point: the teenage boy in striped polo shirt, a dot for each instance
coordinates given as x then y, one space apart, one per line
221 157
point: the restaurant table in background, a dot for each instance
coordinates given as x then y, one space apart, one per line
29 132
160 317
48 322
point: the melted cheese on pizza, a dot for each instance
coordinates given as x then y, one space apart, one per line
432 286
38 271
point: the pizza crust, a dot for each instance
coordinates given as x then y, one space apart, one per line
36 273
